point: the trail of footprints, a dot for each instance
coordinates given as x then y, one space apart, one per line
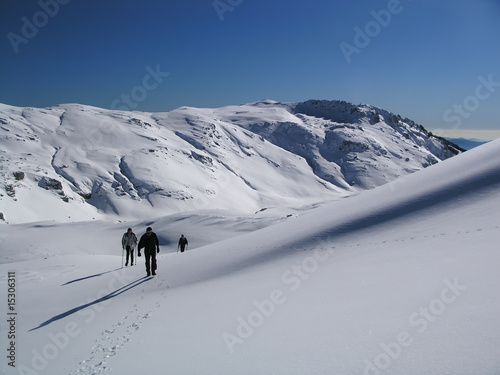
433 235
113 339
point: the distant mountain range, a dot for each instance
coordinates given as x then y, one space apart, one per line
91 163
465 143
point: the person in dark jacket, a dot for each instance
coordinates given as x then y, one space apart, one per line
129 241
182 243
149 241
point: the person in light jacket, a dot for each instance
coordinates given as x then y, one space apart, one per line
129 242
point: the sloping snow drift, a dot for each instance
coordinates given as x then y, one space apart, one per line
400 279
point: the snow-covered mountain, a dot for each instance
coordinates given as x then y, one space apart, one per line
88 163
400 278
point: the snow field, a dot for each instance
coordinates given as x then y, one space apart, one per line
399 279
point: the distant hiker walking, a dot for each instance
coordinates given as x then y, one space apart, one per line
129 241
149 241
182 243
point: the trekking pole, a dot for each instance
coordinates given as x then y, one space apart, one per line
123 250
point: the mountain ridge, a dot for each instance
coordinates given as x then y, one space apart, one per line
93 162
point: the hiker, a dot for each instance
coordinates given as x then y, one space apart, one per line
149 241
182 243
129 241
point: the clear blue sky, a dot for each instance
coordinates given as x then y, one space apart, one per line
436 62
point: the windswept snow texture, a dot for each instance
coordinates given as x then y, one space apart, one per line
88 163
400 279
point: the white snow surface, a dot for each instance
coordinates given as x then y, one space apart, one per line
89 163
399 279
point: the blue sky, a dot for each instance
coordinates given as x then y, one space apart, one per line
436 62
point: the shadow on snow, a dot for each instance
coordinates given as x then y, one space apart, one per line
89 277
113 294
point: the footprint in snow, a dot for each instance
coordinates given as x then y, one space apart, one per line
116 337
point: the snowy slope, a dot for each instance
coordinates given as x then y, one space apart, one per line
400 279
88 163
